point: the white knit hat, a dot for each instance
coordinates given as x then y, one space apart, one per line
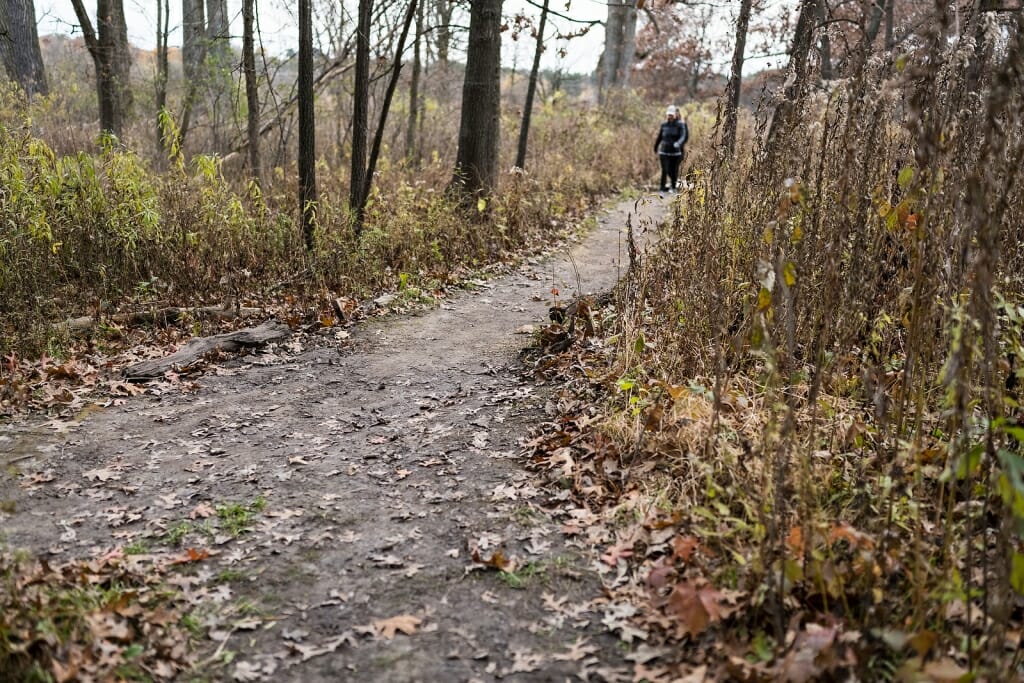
671 110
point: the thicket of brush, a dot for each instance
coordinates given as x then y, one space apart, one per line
825 352
95 231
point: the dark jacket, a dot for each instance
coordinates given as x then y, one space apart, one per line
672 136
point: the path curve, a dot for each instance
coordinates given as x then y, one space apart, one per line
380 467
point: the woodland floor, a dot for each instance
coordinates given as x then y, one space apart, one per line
342 492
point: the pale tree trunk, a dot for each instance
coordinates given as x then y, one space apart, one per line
307 126
252 99
217 30
108 47
531 89
616 61
732 89
824 43
193 29
414 89
443 10
476 162
360 114
19 46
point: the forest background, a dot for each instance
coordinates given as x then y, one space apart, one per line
815 374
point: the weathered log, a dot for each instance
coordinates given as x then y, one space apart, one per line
194 350
161 316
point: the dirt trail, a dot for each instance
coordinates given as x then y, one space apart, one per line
364 476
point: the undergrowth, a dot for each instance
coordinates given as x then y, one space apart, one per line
96 233
815 383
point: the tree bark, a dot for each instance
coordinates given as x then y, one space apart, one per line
476 162
414 89
732 89
890 36
824 43
443 32
163 20
360 114
616 61
193 29
378 135
307 125
252 99
786 113
19 46
531 89
108 47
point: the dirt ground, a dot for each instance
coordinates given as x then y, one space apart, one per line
344 491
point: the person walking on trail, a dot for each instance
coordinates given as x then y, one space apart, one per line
671 148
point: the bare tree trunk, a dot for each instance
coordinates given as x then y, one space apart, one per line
616 61
218 30
874 22
307 125
193 29
163 18
442 30
531 89
360 114
824 43
19 46
252 99
414 88
732 89
385 108
109 50
476 162
786 113
890 37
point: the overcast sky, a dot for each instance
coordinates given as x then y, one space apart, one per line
279 28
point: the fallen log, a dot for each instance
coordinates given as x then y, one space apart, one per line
194 350
161 316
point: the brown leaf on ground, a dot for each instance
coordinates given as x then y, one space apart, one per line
696 605
404 623
203 510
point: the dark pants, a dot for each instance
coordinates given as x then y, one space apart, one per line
669 170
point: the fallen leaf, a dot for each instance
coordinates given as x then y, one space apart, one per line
404 623
203 510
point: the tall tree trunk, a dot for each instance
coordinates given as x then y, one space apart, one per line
360 114
385 108
163 18
786 113
874 16
824 43
193 39
476 162
732 89
443 31
217 30
307 125
890 20
616 61
19 46
108 47
252 99
414 89
531 89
